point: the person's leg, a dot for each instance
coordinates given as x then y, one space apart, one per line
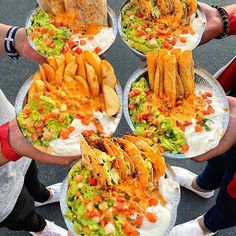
23 215
36 189
211 177
223 214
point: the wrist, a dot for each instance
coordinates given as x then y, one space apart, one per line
19 41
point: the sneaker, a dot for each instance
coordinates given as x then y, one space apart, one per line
189 228
185 178
55 197
51 229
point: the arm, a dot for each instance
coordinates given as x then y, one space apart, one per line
214 25
229 138
21 44
23 148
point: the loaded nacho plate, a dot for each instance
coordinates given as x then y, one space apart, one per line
51 32
117 189
67 95
174 107
149 25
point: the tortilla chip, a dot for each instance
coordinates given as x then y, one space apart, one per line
92 80
112 101
45 5
57 7
108 74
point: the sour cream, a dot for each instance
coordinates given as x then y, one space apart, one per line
71 146
203 141
103 40
197 24
169 190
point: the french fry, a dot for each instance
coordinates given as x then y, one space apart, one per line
108 74
60 60
40 85
43 73
161 56
81 67
71 69
32 90
70 82
50 73
112 101
83 84
92 80
94 60
69 58
59 74
52 62
37 75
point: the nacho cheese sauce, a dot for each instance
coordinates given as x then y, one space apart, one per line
197 24
71 146
103 40
168 189
211 138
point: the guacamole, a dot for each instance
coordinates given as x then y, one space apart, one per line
41 121
149 122
48 39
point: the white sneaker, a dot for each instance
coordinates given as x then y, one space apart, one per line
189 228
51 229
55 190
185 178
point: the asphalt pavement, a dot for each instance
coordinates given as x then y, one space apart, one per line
13 73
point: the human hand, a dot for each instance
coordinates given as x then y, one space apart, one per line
214 23
24 49
228 140
23 148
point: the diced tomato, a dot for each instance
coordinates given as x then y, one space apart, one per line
85 121
152 201
205 112
134 233
90 37
78 50
173 41
64 134
27 110
187 123
92 181
47 135
43 30
39 130
198 128
79 116
208 94
161 149
34 137
199 119
139 221
166 44
61 118
204 96
161 31
97 50
51 32
185 147
103 223
70 129
39 125
71 44
82 42
182 127
133 93
30 124
211 110
208 101
97 198
65 49
151 217
127 228
185 31
48 41
183 39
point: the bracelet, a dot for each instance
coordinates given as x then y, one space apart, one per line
9 43
225 18
7 151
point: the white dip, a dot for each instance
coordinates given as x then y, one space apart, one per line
203 141
192 40
103 40
170 190
71 146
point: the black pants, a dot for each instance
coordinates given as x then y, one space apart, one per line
218 173
23 215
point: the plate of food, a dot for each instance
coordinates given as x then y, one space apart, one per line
122 186
176 105
78 25
149 25
67 95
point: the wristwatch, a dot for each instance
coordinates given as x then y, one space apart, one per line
9 43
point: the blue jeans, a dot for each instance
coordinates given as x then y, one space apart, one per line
217 174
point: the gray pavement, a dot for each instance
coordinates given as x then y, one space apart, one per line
13 74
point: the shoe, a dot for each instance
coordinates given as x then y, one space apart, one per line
55 197
51 229
185 178
189 228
